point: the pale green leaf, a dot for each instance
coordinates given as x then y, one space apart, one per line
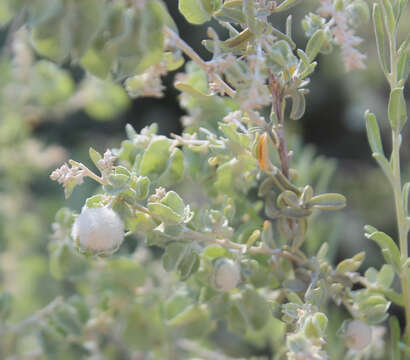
331 201
67 319
189 265
254 309
298 105
95 156
231 11
190 90
286 5
397 109
314 44
380 36
214 251
193 322
155 156
373 133
174 201
387 244
385 276
248 8
165 213
85 21
142 187
196 11
389 17
97 61
175 169
173 256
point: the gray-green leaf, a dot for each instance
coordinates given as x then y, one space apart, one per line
373 133
389 248
397 109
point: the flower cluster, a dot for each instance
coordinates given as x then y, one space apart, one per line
343 34
65 174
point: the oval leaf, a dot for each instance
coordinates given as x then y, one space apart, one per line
329 201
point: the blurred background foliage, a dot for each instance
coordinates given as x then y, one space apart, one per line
35 138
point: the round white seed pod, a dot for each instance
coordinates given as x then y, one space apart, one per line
98 229
225 275
358 335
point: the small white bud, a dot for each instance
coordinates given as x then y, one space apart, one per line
98 229
225 275
358 335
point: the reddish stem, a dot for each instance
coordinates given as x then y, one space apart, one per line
277 109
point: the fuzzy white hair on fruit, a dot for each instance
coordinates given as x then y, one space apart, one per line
98 229
358 335
226 275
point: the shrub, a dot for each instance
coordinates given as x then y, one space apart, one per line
227 202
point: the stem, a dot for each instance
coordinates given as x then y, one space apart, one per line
183 46
194 348
402 229
95 177
32 355
14 27
35 318
402 224
277 109
212 239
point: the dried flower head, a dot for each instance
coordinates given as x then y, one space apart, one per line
64 175
106 163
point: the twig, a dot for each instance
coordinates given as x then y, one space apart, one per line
32 355
277 109
213 239
35 318
13 28
183 46
200 351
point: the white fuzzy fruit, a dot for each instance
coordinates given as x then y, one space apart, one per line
98 229
358 335
225 275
